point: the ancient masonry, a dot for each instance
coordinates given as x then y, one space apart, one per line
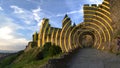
97 24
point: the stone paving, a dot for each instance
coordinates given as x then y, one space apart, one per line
93 58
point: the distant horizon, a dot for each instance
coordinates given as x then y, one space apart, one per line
9 51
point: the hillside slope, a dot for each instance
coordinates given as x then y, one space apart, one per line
23 59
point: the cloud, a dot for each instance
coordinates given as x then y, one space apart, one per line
15 44
9 38
5 33
24 15
40 23
1 9
71 12
17 9
29 17
36 13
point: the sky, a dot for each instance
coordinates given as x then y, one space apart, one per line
19 19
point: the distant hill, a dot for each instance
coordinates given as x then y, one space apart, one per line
2 55
7 51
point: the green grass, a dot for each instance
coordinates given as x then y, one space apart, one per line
8 60
26 60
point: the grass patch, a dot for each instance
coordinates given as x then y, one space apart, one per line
8 60
29 59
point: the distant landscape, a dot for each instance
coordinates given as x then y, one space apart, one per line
7 51
4 54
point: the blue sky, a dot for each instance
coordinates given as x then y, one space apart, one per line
19 19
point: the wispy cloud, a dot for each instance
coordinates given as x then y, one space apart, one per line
24 15
27 16
17 9
40 23
1 9
71 12
36 15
